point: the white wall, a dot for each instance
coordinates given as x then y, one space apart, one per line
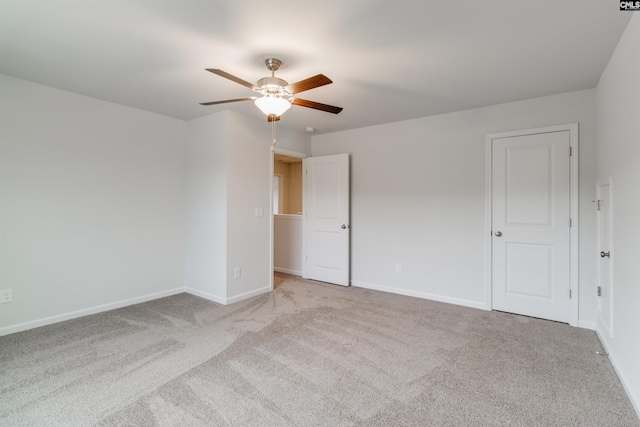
229 177
418 197
287 243
91 204
618 149
103 205
249 186
250 168
206 207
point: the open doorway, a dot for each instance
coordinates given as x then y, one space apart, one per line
312 241
287 209
287 185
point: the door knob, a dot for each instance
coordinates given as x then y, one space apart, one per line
498 233
343 226
605 254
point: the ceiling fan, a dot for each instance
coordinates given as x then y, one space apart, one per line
277 94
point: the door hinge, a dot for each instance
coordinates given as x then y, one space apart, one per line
599 291
569 293
570 151
570 223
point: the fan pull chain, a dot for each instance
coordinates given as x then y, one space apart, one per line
273 132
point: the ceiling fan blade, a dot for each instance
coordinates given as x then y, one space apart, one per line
253 98
232 78
273 118
310 83
316 106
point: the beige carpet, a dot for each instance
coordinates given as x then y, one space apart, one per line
308 354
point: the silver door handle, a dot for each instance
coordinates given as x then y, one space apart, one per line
343 226
605 254
498 233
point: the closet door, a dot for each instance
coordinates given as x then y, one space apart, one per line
327 237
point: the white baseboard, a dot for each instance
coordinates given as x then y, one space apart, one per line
248 295
207 296
87 311
449 300
288 271
621 376
6 330
227 301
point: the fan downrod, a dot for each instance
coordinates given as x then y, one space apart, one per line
273 85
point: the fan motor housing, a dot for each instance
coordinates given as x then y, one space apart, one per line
273 85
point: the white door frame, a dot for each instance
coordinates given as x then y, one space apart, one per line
573 176
290 153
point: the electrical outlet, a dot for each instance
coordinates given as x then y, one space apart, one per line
6 295
398 267
236 273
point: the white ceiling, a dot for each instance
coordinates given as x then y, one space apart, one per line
390 60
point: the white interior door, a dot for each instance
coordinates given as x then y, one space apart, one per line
531 241
327 218
605 228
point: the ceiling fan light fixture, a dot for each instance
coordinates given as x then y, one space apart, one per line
277 94
272 105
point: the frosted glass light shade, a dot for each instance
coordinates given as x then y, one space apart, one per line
272 105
